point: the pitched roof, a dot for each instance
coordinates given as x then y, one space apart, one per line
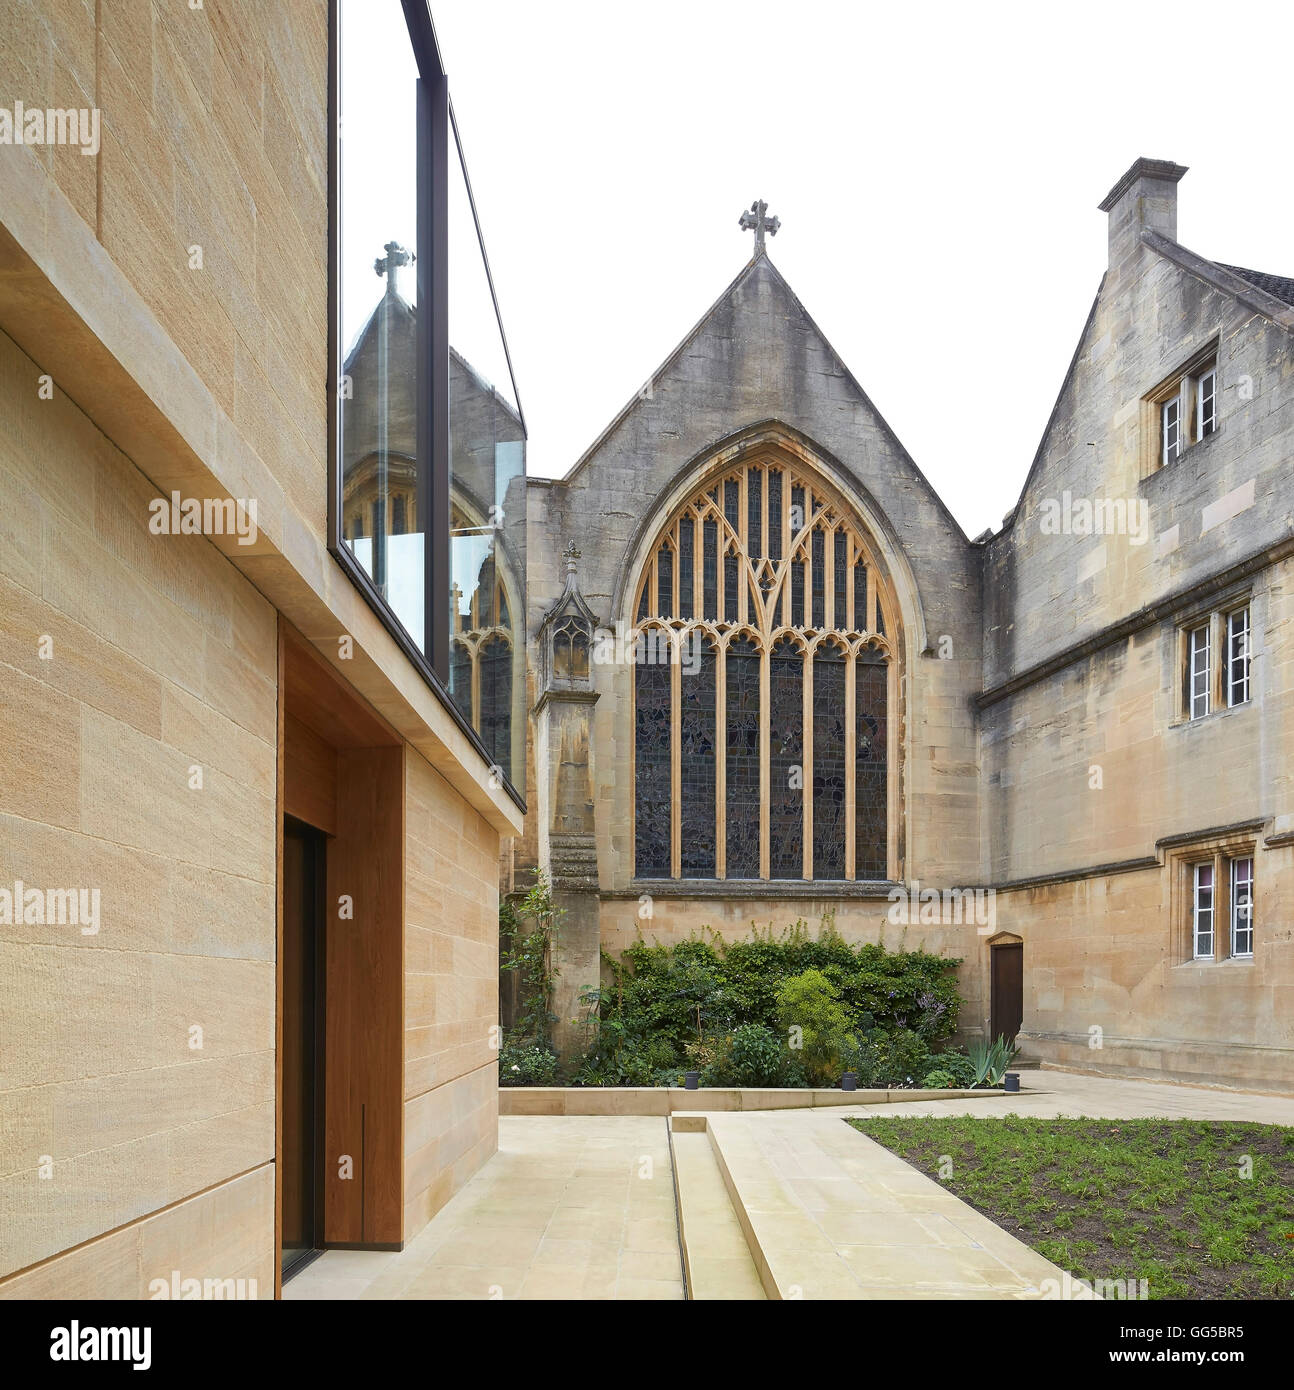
1279 285
762 264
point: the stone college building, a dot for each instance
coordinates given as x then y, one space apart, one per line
299 671
773 679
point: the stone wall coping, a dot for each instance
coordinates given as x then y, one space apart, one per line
669 1100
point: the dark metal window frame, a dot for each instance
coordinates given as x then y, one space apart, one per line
436 128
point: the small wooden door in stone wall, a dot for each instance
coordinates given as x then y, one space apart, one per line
1008 989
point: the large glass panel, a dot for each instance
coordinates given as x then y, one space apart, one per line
487 454
378 232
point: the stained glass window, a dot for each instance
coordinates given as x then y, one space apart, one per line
495 721
819 618
742 759
460 676
870 755
774 514
665 589
697 735
759 572
730 581
652 770
786 761
840 587
829 762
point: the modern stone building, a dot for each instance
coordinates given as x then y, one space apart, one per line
841 704
250 818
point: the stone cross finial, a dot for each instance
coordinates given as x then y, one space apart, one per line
387 265
758 222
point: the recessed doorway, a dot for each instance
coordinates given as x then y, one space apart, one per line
304 850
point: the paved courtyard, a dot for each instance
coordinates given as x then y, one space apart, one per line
583 1207
578 1208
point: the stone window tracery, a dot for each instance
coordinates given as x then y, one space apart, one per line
762 747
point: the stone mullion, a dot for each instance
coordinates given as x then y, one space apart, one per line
675 763
872 600
765 766
851 789
806 764
743 532
720 763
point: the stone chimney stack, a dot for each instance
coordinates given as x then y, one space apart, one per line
1146 196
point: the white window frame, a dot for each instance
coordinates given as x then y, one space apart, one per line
1199 670
1206 404
1239 627
1242 905
1170 415
1201 915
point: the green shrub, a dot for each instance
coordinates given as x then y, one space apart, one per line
725 1009
527 1064
959 1065
887 1059
752 1055
815 1024
878 988
939 1081
631 1062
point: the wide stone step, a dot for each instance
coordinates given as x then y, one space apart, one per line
716 1256
829 1214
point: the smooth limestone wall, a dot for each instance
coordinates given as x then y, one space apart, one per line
136 1063
451 964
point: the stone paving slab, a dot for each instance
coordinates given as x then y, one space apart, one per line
569 1208
1076 1095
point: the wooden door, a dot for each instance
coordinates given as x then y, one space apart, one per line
1007 1007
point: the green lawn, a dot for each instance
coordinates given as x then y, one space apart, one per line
1160 1200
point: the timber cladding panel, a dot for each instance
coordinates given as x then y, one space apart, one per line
451 884
139 1059
362 1063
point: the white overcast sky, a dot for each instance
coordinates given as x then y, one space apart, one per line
937 170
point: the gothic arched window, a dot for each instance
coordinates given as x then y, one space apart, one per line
762 687
481 640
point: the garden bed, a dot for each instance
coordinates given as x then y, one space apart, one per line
1159 1200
